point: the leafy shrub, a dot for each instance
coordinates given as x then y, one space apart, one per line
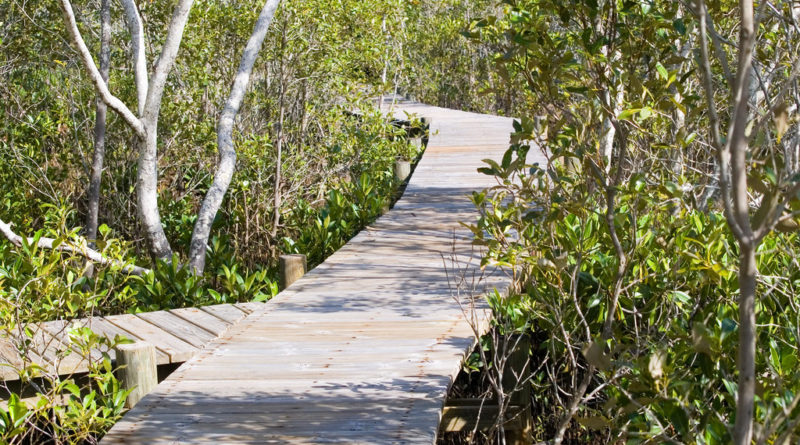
65 409
667 370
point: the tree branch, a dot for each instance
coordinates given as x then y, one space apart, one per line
716 39
777 101
138 57
225 145
737 144
97 79
723 151
81 249
167 58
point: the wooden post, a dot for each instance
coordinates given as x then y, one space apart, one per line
292 267
136 363
426 129
402 169
515 376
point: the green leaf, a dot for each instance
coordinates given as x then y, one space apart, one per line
627 114
680 296
662 72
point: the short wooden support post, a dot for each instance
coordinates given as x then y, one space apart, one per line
516 384
292 267
402 170
136 370
426 129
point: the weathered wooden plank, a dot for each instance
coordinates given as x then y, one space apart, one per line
178 327
192 326
59 329
227 312
10 361
177 349
202 319
104 327
43 349
250 307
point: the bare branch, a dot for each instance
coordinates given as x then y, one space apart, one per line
138 57
716 39
777 101
165 61
102 88
81 249
723 152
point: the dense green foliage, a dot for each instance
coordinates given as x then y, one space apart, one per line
627 272
320 62
625 264
312 73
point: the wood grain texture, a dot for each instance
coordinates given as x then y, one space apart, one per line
363 348
177 335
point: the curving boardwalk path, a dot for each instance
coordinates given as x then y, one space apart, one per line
363 348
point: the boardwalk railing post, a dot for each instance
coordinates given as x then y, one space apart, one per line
137 370
516 382
292 267
402 170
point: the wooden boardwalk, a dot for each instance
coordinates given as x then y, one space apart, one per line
363 348
177 334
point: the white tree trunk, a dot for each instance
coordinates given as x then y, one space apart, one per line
147 175
138 56
225 145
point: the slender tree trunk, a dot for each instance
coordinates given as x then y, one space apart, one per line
276 217
147 194
147 175
748 272
304 116
607 135
385 64
276 220
738 147
225 145
99 125
146 124
678 116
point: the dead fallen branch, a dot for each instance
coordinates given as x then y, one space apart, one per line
81 248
